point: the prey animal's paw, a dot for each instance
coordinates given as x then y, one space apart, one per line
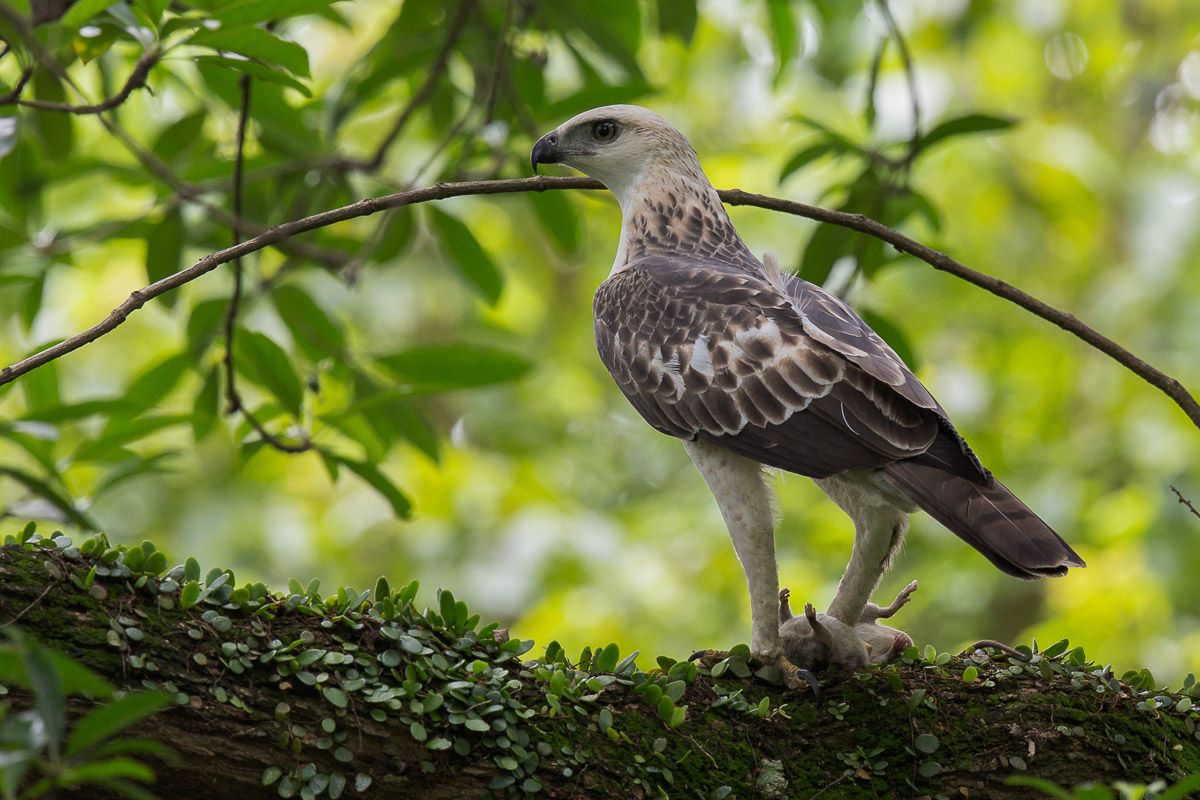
785 594
903 597
901 643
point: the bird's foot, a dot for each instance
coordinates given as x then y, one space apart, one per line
795 678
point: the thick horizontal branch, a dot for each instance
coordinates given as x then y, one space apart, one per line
936 259
280 689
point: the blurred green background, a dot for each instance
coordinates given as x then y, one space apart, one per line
541 498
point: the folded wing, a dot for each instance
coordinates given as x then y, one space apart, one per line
787 374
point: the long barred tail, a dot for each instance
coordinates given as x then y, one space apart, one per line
986 516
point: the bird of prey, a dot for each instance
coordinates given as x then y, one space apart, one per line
751 367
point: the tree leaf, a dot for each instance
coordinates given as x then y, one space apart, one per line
261 360
255 69
557 216
106 770
153 9
31 303
872 83
369 473
110 719
398 229
606 659
971 123
472 261
179 137
83 11
827 245
783 31
455 366
56 131
250 12
75 677
76 411
1043 785
156 382
49 698
204 409
204 325
1183 789
51 495
677 17
256 43
808 155
311 327
106 447
164 251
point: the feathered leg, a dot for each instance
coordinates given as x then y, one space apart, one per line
879 527
745 502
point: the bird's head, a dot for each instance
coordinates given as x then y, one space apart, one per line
619 146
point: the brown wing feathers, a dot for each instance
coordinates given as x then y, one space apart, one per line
799 382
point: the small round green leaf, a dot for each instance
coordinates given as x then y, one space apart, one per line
926 743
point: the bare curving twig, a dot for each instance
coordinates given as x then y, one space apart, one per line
436 69
234 399
910 73
736 197
136 80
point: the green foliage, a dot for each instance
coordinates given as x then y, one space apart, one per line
315 376
38 755
1121 790
541 486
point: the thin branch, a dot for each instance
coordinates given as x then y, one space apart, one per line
940 261
231 311
29 607
1185 501
436 68
137 79
333 260
736 197
498 63
911 74
234 402
26 74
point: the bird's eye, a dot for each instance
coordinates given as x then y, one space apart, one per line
605 131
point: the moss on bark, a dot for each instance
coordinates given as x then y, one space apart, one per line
378 697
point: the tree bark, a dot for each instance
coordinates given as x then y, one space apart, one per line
346 687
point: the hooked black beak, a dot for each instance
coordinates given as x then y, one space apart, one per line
545 151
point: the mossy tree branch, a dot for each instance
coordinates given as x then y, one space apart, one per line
298 688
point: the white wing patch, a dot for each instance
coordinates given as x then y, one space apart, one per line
701 359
